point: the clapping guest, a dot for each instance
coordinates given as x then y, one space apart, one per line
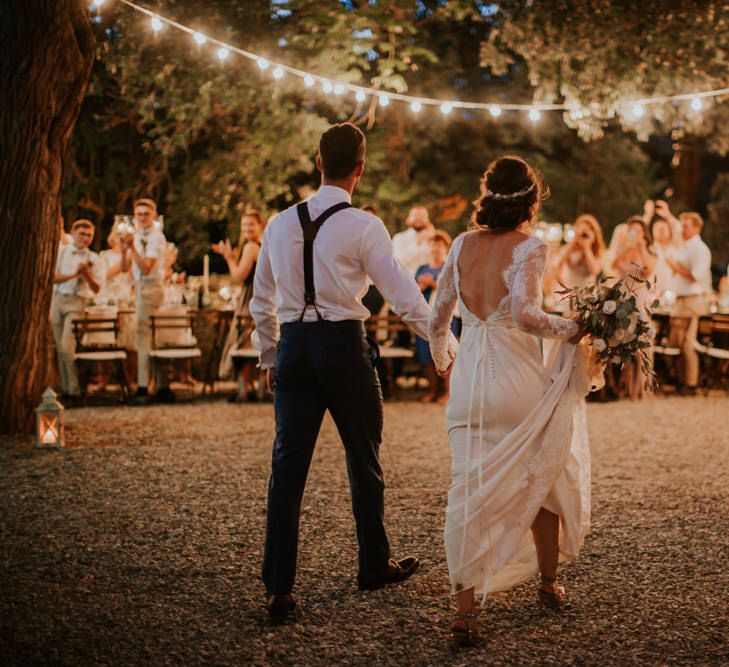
691 266
242 272
146 248
427 278
582 258
119 281
78 277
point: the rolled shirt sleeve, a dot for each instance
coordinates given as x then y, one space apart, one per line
394 281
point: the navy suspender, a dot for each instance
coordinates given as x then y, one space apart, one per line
311 229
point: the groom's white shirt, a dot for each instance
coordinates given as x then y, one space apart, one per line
350 246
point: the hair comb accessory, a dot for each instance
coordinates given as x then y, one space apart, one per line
510 195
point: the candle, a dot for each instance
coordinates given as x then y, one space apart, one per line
206 273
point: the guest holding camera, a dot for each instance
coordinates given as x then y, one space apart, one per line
582 258
78 277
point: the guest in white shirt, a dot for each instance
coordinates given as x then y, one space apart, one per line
79 275
691 266
147 248
307 304
412 246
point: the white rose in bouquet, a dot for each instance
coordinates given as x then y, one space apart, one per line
651 332
609 307
600 345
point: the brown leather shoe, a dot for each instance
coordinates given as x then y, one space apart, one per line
397 571
280 607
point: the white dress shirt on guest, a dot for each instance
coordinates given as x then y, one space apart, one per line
150 242
411 249
695 255
664 275
69 257
350 246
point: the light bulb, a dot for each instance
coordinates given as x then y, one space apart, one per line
263 63
638 110
309 81
326 86
360 96
223 53
534 115
384 100
156 24
415 107
696 104
446 108
98 3
495 111
278 73
338 89
199 38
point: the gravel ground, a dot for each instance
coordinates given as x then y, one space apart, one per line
141 544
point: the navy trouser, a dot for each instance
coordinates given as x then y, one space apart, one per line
324 366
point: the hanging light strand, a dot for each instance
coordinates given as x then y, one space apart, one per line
416 103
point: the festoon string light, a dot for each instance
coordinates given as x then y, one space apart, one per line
634 108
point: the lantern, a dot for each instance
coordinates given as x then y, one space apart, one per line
49 421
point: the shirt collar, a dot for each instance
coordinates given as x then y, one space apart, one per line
333 193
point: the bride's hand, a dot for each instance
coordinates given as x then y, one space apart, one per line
581 333
445 373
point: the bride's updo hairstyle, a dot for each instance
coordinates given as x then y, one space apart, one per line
510 194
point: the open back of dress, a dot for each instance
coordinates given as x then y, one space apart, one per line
516 426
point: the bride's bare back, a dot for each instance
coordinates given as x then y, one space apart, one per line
483 259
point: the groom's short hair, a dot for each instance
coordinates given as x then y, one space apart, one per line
341 148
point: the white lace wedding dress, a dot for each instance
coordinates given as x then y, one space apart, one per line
516 424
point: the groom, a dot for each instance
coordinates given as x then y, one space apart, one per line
311 276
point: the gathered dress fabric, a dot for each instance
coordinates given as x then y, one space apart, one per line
516 424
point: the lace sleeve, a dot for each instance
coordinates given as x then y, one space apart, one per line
526 295
440 321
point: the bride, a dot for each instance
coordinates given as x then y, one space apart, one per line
516 424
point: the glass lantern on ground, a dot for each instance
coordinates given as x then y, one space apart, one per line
49 421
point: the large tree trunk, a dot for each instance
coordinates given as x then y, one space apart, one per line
47 49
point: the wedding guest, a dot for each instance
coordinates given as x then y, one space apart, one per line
691 266
635 260
617 239
665 248
146 248
582 258
411 246
78 277
65 238
427 278
119 283
242 272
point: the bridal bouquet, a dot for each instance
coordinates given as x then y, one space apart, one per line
619 329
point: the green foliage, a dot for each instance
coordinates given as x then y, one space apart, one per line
164 118
595 56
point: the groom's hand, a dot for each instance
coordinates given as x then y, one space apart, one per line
269 379
446 372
